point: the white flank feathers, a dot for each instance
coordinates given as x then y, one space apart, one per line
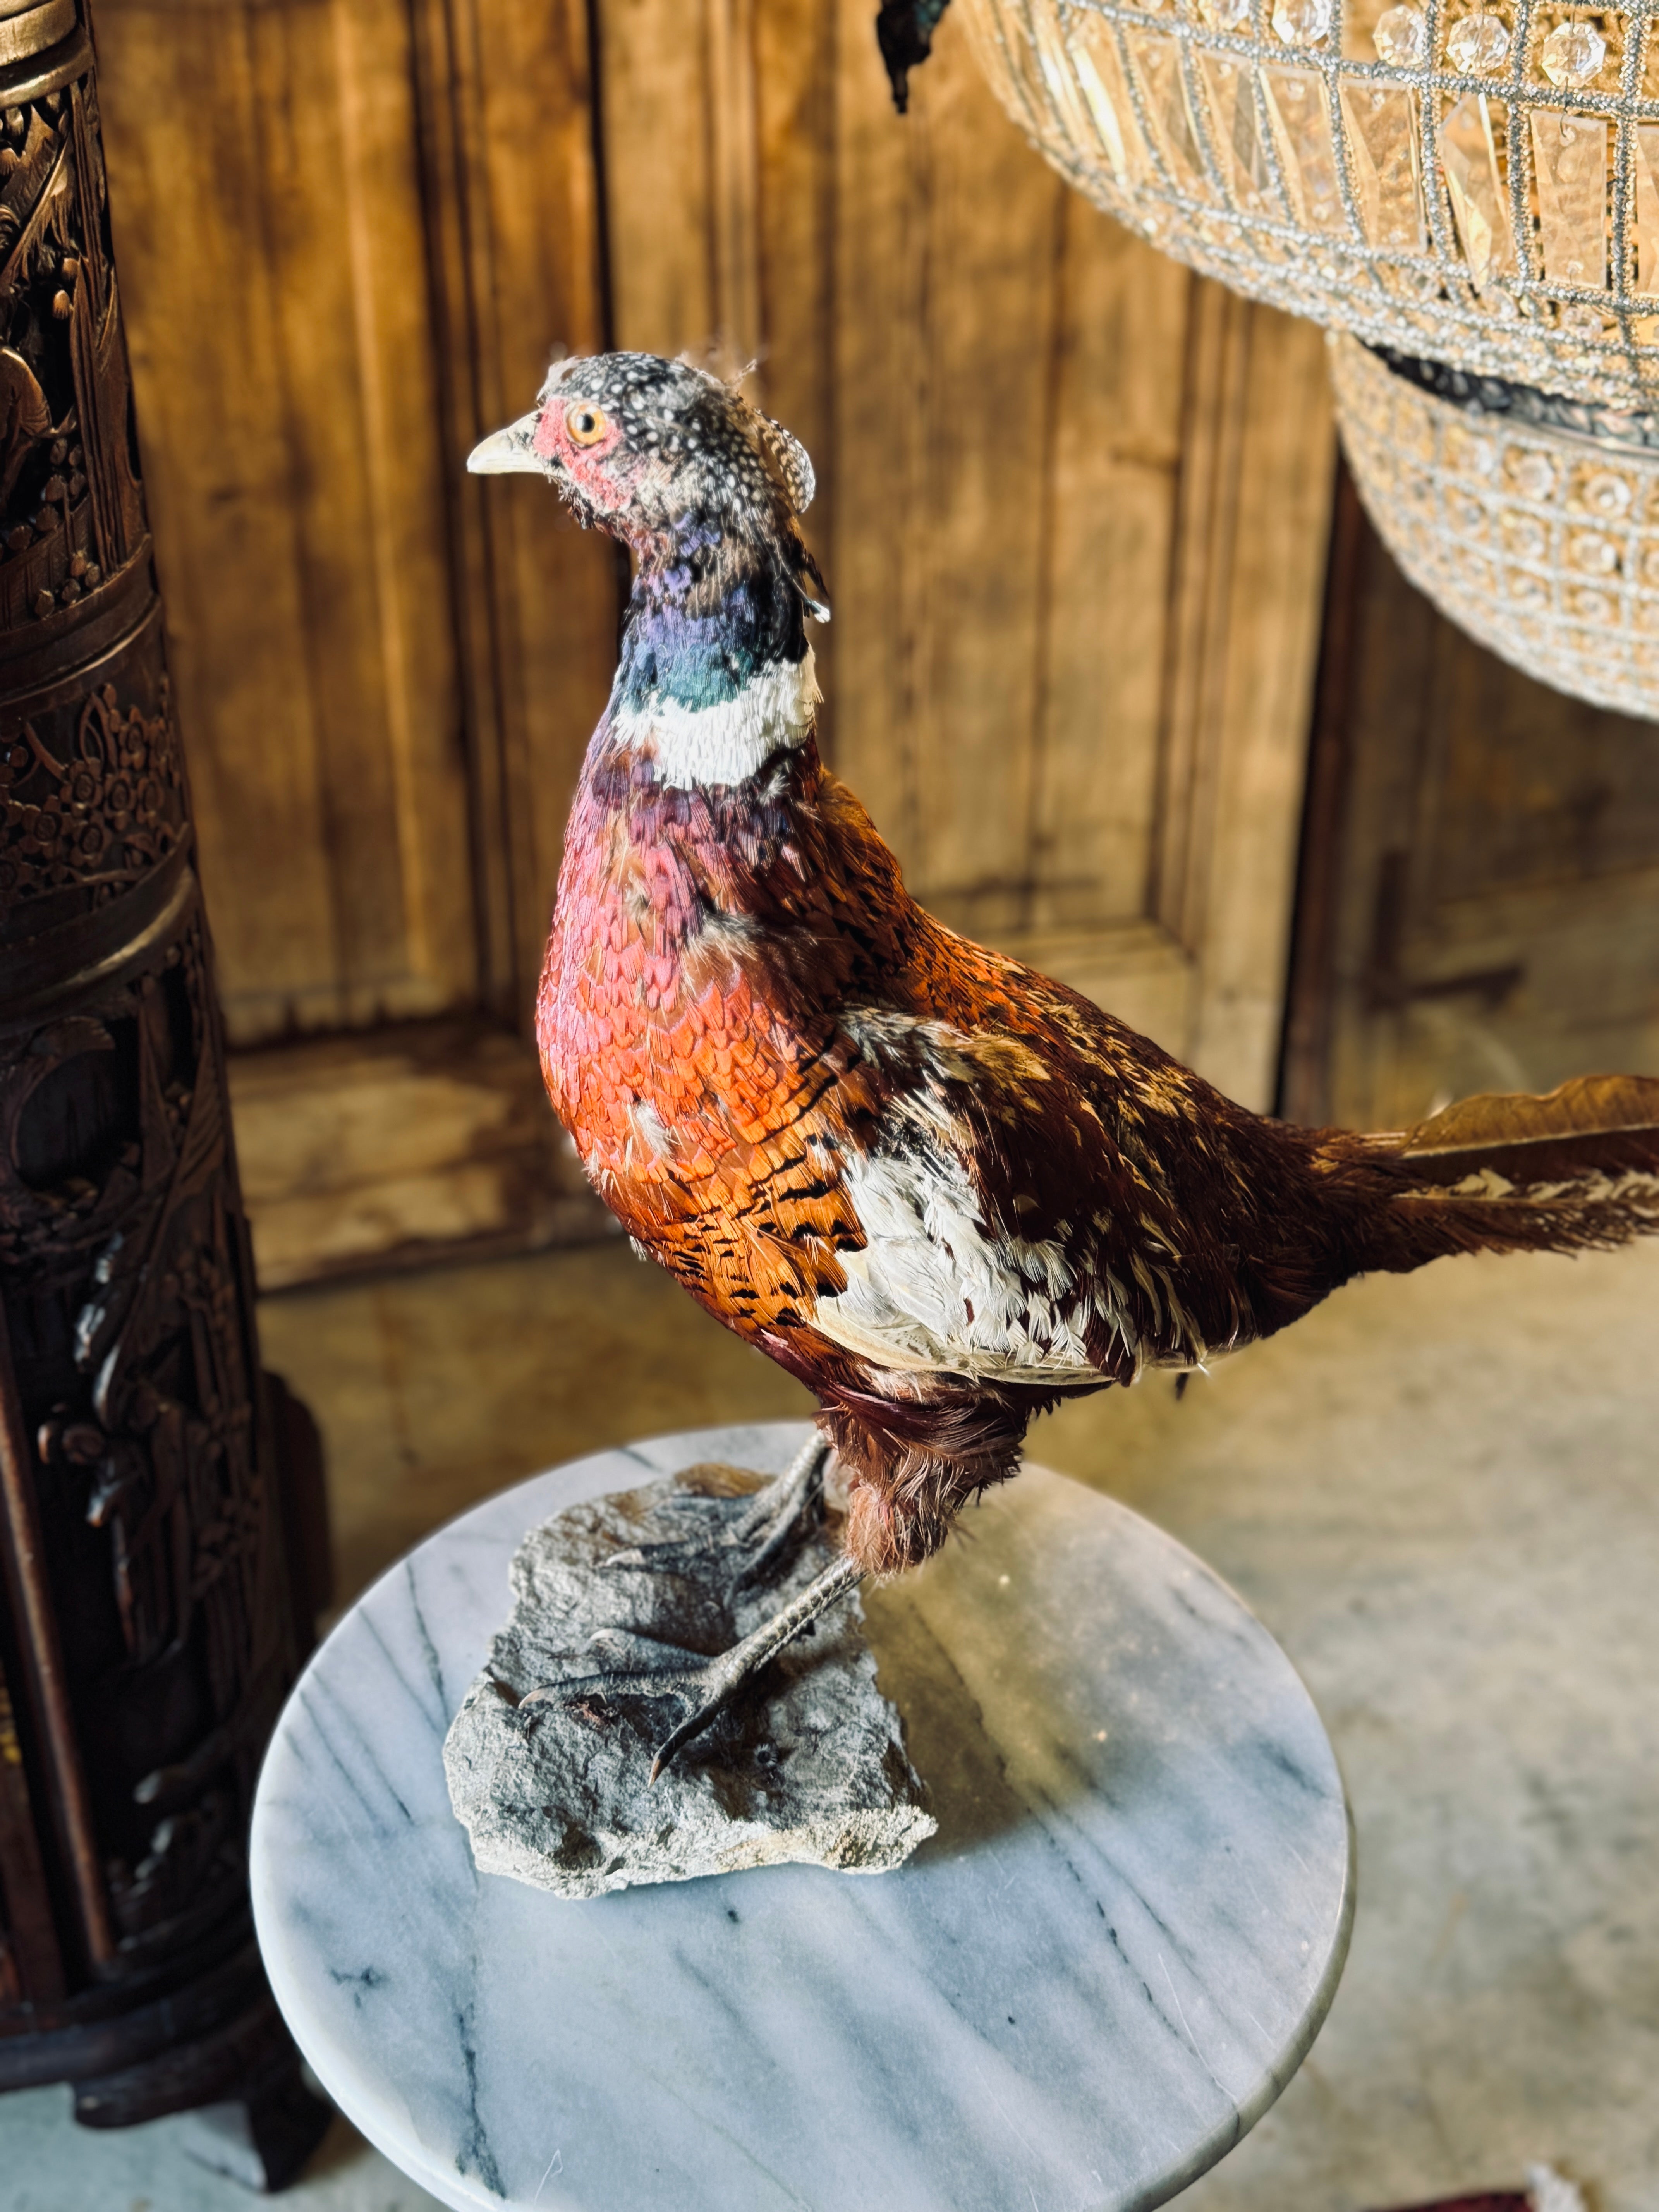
1597 1186
710 746
1550 2191
935 1288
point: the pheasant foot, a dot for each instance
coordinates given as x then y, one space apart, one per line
641 1666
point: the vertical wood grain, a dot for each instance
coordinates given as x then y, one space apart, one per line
1116 468
512 191
796 100
949 285
269 226
1251 791
1071 501
679 102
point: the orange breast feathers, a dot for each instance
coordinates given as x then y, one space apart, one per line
687 1024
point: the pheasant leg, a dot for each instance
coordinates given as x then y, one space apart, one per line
758 1539
654 1669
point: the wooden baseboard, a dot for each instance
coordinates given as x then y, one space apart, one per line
399 1147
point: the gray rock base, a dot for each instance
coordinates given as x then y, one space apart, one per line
807 1763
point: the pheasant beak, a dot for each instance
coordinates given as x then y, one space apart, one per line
510 452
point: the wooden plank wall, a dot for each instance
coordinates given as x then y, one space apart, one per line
509 159
267 209
1481 902
1072 502
1072 510
350 231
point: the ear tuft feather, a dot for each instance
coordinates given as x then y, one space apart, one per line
787 462
809 583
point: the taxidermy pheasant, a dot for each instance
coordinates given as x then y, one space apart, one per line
942 1190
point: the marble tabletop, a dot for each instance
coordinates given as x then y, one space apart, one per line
1077 1995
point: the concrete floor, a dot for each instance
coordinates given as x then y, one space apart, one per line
1440 1494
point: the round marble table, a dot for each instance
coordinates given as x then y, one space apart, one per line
1080 1994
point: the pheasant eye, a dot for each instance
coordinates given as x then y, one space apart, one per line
585 424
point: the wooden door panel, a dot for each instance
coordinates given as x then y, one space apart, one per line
268 212
1256 548
354 232
1492 848
944 354
1118 390
1071 505
682 173
1071 502
508 163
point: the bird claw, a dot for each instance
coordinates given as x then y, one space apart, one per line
673 1671
631 1664
694 1724
668 1671
670 1557
638 1667
633 1655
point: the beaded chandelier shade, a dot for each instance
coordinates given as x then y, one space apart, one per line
1475 181
1533 524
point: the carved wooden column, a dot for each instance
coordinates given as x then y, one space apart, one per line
149 1623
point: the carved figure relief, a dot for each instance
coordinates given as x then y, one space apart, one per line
71 511
123 1247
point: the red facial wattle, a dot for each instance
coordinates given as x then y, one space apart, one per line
554 439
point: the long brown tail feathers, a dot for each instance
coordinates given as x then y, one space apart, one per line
1574 1170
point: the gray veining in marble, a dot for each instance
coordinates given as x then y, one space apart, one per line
1076 1997
810 1768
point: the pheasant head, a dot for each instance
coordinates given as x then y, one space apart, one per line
705 491
666 456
